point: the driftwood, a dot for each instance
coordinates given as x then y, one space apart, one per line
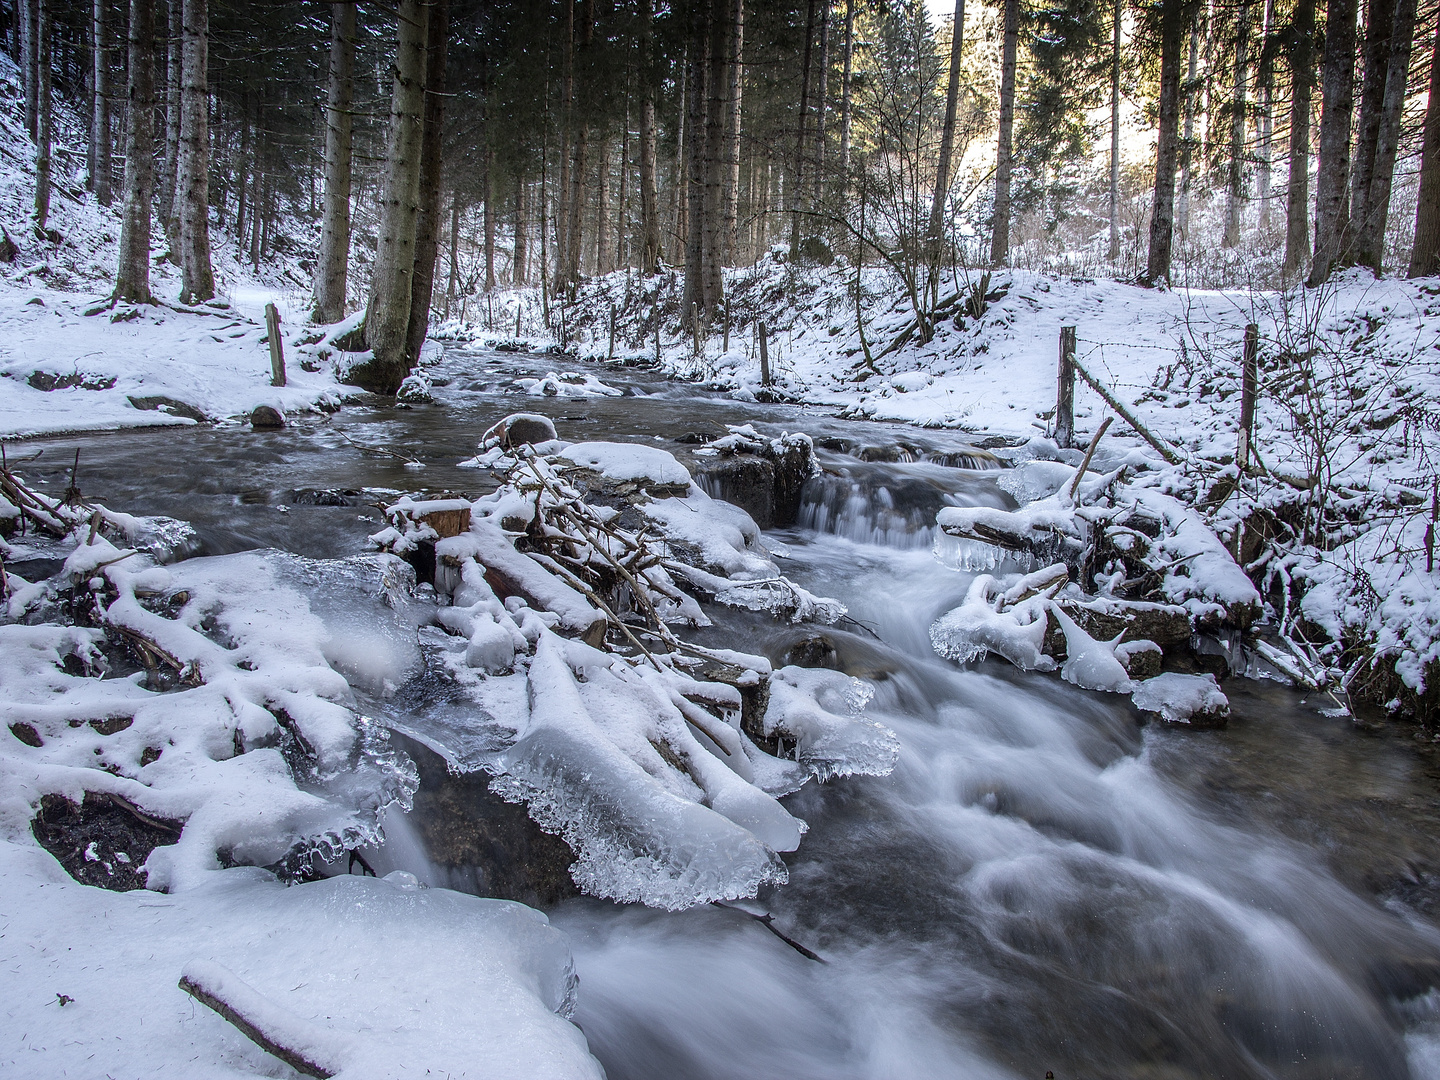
256 1018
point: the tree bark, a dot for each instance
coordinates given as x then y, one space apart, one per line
693 297
332 268
1379 23
567 118
1235 185
1370 233
649 190
193 180
132 275
387 316
602 208
1113 251
1334 168
1004 154
717 166
1425 255
934 233
29 68
845 79
1187 141
1265 80
43 115
732 133
489 218
518 272
797 188
1302 76
100 119
427 218
1162 214
453 280
822 97
170 164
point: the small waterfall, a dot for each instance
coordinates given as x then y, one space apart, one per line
892 503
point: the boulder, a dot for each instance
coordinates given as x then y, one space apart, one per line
520 429
1196 700
169 405
266 417
414 390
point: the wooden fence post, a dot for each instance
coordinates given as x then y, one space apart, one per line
764 355
277 348
1249 382
1065 395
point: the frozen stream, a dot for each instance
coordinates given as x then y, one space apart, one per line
1041 884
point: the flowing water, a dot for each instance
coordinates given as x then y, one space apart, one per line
1042 884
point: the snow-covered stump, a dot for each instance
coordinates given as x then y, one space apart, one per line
565 598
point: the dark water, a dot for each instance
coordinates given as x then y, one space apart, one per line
1043 884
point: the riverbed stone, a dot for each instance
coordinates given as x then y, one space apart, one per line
266 417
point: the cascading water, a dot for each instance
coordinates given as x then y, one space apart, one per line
1041 884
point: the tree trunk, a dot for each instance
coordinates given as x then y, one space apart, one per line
817 181
100 119
488 184
1235 186
170 165
1187 142
934 233
193 181
1425 255
43 115
1302 76
29 68
797 188
845 78
1379 23
243 172
1334 167
427 218
693 297
1004 154
132 274
1266 85
332 268
602 208
732 134
1370 234
387 316
717 165
649 191
1162 214
453 279
1113 251
518 272
567 118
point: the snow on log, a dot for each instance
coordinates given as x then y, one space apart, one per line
303 1046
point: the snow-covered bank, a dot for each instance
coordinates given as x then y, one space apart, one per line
64 370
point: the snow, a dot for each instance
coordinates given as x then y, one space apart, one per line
1177 699
628 461
378 978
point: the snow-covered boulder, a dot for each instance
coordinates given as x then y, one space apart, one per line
1196 700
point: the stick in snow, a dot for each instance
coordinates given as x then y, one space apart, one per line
295 1042
1165 451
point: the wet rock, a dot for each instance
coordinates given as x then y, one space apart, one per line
484 845
519 429
814 651
1141 659
266 417
154 402
1105 618
103 841
745 480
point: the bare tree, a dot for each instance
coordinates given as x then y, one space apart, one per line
1235 179
193 177
649 192
1162 214
935 232
1333 173
132 276
331 269
1375 211
1113 251
43 135
1302 77
1425 255
1004 155
387 316
170 164
427 218
100 117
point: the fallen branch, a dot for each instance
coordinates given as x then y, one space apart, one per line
1089 453
269 1027
1162 448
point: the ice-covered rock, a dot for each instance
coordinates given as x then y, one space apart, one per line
1196 700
